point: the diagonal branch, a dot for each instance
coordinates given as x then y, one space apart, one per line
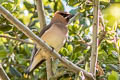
3 75
42 44
73 18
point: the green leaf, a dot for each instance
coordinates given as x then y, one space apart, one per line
105 0
15 72
73 2
118 42
85 22
6 27
27 49
117 0
28 5
70 48
58 5
3 51
11 47
114 67
73 11
113 76
64 51
1 1
111 14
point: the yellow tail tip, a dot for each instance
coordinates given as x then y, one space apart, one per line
26 75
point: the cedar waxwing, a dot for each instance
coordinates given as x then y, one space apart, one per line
54 34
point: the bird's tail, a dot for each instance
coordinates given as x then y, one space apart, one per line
35 62
32 67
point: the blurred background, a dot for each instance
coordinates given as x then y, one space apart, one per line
15 55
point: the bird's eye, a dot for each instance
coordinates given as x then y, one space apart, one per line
64 15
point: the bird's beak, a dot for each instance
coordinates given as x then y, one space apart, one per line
70 16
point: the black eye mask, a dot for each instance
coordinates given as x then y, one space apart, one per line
69 17
64 15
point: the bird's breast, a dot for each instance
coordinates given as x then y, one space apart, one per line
55 37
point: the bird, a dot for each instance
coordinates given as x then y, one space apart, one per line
54 34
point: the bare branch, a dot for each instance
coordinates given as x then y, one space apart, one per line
21 40
49 68
81 61
42 44
3 75
102 37
94 52
73 18
41 15
58 74
101 19
103 32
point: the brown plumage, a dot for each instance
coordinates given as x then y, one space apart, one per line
54 34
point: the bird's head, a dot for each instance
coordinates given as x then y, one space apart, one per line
61 16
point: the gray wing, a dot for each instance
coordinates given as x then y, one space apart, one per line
35 49
44 29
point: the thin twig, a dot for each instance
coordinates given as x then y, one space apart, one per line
101 19
102 35
73 18
81 61
42 44
21 40
94 52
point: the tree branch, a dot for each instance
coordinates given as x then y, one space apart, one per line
73 18
103 32
42 44
41 15
49 68
21 40
94 52
3 75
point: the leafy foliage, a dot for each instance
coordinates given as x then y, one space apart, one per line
15 55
